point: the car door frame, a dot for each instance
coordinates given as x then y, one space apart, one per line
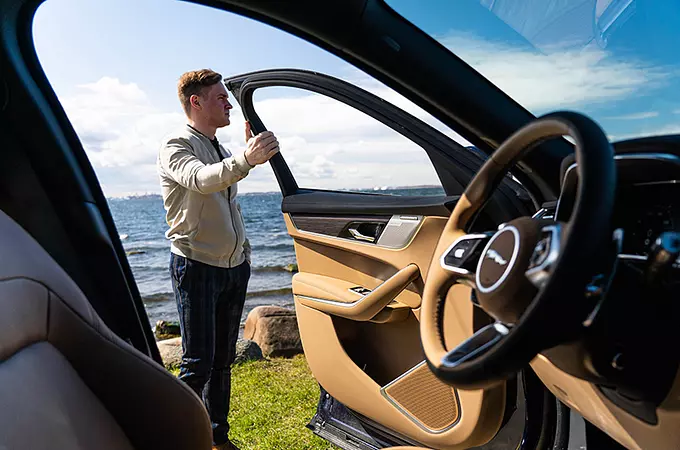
243 87
461 162
454 164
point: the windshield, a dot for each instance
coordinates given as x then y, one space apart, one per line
614 60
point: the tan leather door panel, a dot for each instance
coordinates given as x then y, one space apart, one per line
365 349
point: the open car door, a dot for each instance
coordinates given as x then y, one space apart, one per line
362 261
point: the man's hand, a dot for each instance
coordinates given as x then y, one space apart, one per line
260 148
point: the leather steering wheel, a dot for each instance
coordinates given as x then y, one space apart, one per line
530 275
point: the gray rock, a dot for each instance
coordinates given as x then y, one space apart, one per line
275 330
247 350
171 351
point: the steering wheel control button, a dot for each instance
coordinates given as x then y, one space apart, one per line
545 255
457 254
540 251
462 256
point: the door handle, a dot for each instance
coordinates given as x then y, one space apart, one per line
326 294
356 234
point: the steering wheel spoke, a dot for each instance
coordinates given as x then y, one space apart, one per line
545 255
462 256
480 342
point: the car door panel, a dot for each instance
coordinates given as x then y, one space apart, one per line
362 261
376 368
357 256
473 420
340 226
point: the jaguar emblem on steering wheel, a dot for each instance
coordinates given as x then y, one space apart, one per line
495 257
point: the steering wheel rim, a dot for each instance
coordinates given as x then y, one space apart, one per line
510 348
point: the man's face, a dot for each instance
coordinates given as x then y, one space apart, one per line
215 106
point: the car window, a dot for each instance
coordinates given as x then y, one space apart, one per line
330 145
614 60
122 101
114 66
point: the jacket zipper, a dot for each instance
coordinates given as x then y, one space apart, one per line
231 211
233 224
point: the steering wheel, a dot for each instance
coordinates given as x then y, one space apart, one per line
530 275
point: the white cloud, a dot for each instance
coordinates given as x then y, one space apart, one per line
649 131
327 144
321 167
561 79
635 116
117 124
330 145
121 130
667 129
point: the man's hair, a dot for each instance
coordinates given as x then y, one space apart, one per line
192 83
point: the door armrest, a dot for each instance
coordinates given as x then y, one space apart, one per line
333 296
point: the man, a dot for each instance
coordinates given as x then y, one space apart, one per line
210 255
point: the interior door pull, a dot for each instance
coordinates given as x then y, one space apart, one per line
356 234
328 294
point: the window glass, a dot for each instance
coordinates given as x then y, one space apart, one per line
330 145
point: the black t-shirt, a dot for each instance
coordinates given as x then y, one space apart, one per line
215 143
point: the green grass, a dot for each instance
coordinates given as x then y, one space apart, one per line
271 402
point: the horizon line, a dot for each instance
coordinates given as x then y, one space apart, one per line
370 189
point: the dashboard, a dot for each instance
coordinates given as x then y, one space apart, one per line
637 402
644 211
647 199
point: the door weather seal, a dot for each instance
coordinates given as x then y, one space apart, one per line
540 414
335 423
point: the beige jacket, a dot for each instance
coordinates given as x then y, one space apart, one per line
199 195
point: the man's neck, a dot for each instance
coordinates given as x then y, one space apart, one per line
207 130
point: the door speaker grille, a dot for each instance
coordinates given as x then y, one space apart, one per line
424 399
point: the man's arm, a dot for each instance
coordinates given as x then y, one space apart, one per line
187 170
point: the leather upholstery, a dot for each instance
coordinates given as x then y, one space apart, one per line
66 381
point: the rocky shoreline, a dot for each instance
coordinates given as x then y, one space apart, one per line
269 332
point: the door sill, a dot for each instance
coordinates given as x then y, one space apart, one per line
338 425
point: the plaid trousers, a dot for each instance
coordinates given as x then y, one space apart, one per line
210 304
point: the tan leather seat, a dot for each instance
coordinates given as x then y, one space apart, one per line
66 381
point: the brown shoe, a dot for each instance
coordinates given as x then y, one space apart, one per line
226 446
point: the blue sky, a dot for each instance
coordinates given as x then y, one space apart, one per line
114 65
627 72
